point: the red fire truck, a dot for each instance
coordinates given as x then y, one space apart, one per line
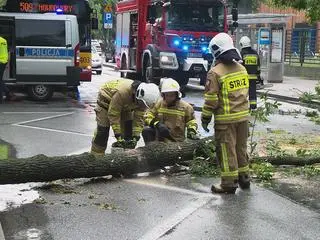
157 38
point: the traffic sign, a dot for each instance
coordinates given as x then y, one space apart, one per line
107 22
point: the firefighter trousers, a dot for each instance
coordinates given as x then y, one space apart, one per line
231 146
101 135
150 135
253 91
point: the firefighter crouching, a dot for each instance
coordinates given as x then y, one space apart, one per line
251 62
121 104
226 96
170 117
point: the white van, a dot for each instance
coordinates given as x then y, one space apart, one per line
44 52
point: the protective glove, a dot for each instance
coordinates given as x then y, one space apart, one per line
163 130
131 144
120 143
193 135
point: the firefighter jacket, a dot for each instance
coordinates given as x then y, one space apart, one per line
3 51
251 62
118 98
226 94
177 118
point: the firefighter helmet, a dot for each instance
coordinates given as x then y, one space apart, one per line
220 44
245 42
148 93
170 85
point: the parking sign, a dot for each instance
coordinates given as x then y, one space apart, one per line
107 17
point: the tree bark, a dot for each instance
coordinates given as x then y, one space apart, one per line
41 168
289 160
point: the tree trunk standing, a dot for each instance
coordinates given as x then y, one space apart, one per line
42 168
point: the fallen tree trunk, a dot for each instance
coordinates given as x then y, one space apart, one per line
42 168
289 160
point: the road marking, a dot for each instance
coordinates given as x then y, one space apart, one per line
44 118
200 199
22 124
32 112
54 130
142 181
1 233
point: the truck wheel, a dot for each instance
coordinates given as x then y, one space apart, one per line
148 72
40 92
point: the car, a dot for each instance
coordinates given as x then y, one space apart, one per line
96 44
96 61
110 52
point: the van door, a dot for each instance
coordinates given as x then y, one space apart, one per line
7 31
43 53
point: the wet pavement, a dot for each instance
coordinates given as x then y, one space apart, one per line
160 207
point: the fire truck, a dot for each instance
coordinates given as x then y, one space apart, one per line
157 39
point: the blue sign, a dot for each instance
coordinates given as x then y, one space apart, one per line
107 22
264 37
45 52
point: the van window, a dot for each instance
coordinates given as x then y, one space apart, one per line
40 33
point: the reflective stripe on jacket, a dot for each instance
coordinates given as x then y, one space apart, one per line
117 97
251 62
226 93
3 51
177 118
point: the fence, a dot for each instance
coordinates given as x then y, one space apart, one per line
302 47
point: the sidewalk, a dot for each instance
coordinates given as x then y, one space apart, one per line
290 89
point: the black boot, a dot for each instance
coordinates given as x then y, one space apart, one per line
244 181
218 189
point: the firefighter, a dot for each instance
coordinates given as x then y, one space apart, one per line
3 62
121 104
251 62
4 58
226 96
170 118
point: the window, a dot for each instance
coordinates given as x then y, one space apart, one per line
196 17
49 33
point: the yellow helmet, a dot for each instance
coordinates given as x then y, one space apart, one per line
170 85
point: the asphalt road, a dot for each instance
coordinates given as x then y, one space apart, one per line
158 207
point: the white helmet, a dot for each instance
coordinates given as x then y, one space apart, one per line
170 85
245 42
148 93
219 44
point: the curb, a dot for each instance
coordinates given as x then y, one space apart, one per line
110 65
288 99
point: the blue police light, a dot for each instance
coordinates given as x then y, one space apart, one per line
176 42
185 48
59 11
202 39
204 49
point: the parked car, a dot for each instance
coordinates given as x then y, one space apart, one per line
96 44
110 52
96 60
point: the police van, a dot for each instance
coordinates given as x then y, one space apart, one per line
44 52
